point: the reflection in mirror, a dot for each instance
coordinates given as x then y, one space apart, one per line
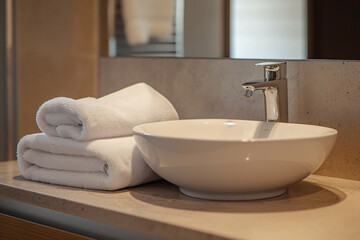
144 27
268 29
179 28
245 29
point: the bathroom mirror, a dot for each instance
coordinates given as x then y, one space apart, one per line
241 29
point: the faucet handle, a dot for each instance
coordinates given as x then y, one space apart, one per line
273 70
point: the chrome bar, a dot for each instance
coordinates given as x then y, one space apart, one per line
3 124
11 86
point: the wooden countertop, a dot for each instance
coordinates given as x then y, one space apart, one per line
315 208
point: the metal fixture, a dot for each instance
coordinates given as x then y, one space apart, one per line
8 95
274 87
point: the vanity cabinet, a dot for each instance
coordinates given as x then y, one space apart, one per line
17 228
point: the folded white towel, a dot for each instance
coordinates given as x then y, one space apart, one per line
147 18
113 115
104 164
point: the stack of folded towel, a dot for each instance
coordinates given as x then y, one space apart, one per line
88 142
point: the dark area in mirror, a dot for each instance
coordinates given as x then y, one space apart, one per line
245 29
334 29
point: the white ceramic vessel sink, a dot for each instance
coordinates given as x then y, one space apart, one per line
233 159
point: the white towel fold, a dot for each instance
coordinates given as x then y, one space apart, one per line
147 18
113 115
103 164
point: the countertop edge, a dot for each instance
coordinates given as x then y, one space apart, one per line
127 221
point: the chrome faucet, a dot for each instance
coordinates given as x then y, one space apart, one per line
274 88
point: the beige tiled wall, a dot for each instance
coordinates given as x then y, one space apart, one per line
320 92
329 95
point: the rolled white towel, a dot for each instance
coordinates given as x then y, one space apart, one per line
104 164
113 115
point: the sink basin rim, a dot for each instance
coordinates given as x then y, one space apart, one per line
139 130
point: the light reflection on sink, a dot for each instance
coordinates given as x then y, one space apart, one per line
233 159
